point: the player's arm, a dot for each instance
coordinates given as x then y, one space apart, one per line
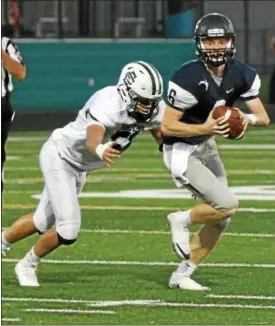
94 139
156 129
173 127
180 100
258 115
13 62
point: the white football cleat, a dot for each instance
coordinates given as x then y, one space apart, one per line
26 274
5 249
179 281
180 234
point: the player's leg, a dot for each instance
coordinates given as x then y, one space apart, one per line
206 239
67 212
40 221
20 229
60 182
219 203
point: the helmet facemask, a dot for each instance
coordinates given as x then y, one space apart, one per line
142 109
218 56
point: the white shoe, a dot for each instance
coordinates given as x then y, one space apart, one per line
5 249
26 274
180 235
178 280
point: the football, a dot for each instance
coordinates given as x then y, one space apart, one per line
233 118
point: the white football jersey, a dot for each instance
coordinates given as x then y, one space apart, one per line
105 108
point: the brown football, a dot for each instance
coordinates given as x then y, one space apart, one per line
234 120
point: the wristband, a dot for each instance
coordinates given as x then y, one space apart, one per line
252 118
100 149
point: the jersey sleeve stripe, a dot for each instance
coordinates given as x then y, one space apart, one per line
249 98
174 107
253 91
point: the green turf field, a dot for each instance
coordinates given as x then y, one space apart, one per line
118 270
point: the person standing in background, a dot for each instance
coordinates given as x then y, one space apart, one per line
271 50
12 66
14 16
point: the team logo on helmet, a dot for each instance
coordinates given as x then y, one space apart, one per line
130 78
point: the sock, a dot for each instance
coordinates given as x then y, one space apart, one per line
186 267
185 217
31 258
4 241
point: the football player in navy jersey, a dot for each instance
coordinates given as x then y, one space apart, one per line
189 148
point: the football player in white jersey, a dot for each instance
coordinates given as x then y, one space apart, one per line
104 128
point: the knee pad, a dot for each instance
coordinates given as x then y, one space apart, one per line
65 242
69 229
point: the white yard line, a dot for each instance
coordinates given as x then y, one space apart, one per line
106 172
244 297
161 232
10 319
137 208
149 232
74 301
259 193
213 305
256 210
151 303
269 132
137 179
27 168
142 263
247 146
13 158
71 311
26 139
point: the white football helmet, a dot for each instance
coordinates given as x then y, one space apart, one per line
140 86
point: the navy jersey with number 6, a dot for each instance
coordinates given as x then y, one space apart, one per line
194 91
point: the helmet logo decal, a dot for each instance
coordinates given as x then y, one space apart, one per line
129 78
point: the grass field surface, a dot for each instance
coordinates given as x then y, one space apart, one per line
118 270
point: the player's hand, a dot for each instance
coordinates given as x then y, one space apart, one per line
110 154
244 117
245 121
216 126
